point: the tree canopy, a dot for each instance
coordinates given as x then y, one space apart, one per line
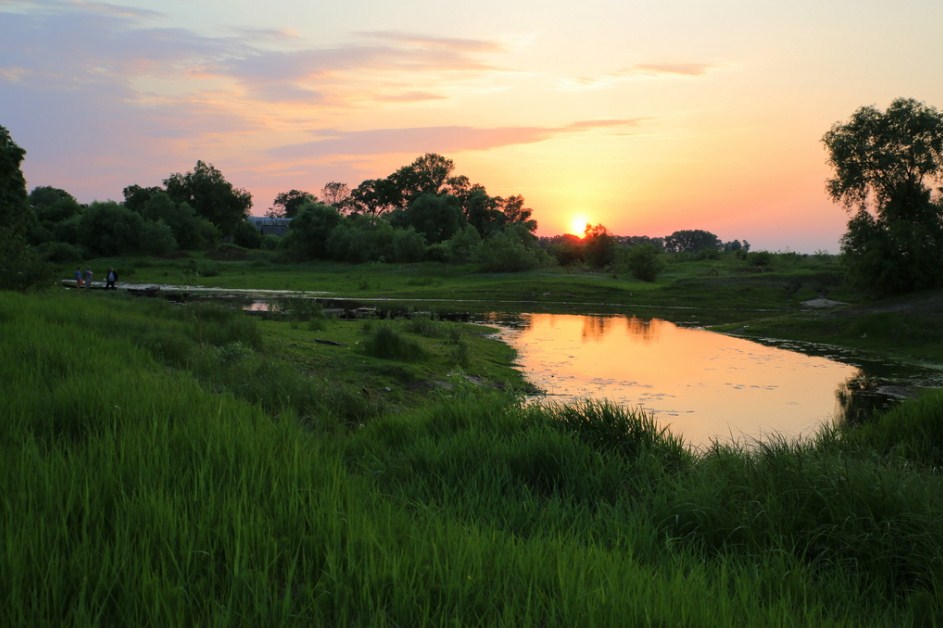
14 205
207 191
885 163
883 155
287 204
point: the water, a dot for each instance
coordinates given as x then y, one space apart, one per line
703 385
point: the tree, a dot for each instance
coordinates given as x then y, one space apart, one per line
335 194
287 204
516 214
310 230
884 165
374 196
52 205
207 191
599 247
644 261
428 174
878 156
190 231
437 218
109 228
15 213
482 212
22 266
692 241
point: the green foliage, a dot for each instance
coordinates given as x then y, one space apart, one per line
15 212
760 259
60 252
310 230
152 478
287 204
889 158
214 198
408 246
887 256
247 236
607 427
108 228
692 241
567 249
190 231
157 238
507 251
52 205
384 342
599 247
436 218
644 262
23 266
911 432
876 155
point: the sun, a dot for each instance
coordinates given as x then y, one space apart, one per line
578 224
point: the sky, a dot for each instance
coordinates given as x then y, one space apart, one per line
644 116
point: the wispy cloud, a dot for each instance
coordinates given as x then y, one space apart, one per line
640 71
441 139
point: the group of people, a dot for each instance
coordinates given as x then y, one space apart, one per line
85 280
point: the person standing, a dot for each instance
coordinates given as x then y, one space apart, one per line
110 279
78 277
88 278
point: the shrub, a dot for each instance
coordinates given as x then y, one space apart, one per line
386 343
644 262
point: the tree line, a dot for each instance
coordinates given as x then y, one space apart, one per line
421 212
885 166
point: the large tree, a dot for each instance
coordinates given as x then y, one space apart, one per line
692 241
207 191
22 266
885 164
15 214
287 204
428 174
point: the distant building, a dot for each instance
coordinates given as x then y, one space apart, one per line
270 226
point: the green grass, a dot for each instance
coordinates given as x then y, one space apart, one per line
181 465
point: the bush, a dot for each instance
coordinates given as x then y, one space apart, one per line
386 343
23 267
644 262
504 252
60 252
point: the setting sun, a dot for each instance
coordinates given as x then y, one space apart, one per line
578 225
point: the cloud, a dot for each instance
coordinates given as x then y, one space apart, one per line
641 70
440 139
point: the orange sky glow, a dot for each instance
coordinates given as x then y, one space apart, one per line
644 117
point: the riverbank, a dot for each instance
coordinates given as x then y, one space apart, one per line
191 465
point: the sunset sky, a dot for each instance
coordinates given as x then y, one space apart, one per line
646 117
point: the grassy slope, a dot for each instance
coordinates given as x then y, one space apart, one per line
167 465
726 293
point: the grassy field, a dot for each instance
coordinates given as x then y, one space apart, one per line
180 465
728 294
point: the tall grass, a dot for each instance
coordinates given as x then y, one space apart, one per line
141 489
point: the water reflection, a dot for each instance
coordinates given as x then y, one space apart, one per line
704 385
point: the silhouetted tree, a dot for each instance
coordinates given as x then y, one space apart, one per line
692 241
599 247
335 194
310 230
207 191
287 204
15 212
884 164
